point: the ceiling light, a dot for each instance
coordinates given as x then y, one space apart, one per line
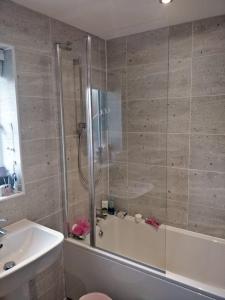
165 1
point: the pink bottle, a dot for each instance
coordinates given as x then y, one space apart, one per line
95 296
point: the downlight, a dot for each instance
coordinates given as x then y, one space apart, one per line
165 1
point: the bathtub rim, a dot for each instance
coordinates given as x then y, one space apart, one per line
157 273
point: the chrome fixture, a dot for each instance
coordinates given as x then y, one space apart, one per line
100 215
100 234
3 232
165 1
9 265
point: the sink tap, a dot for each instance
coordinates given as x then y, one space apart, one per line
3 231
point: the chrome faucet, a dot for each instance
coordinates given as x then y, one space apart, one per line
3 231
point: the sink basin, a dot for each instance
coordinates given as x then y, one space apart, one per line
32 247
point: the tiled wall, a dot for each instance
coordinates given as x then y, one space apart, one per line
33 35
173 160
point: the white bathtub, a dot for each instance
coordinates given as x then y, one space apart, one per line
193 259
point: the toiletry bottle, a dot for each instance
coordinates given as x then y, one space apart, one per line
104 207
111 209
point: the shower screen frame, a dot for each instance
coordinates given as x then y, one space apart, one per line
90 143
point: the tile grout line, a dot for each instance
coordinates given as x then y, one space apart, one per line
190 124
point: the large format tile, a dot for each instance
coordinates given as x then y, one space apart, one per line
23 27
208 115
148 81
40 158
43 198
208 75
178 150
116 53
53 221
32 61
209 36
207 152
147 115
77 189
35 85
207 220
178 115
177 185
180 41
146 181
118 180
148 47
147 148
38 118
117 82
179 78
207 189
117 146
72 152
177 214
98 53
61 32
148 207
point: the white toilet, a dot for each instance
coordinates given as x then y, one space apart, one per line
95 296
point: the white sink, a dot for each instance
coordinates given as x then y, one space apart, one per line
32 247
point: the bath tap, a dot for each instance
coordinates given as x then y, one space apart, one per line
3 232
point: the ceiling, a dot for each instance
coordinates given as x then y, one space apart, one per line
114 18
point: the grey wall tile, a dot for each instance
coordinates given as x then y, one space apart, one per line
71 153
24 28
145 181
207 152
179 78
118 180
178 150
118 146
98 53
98 79
148 207
148 81
209 35
53 221
72 115
38 118
43 198
35 85
177 185
207 220
147 148
178 115
61 32
40 158
180 41
117 82
32 61
177 214
208 115
208 75
148 47
207 189
116 53
77 190
147 115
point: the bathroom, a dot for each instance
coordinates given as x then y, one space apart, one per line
112 149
